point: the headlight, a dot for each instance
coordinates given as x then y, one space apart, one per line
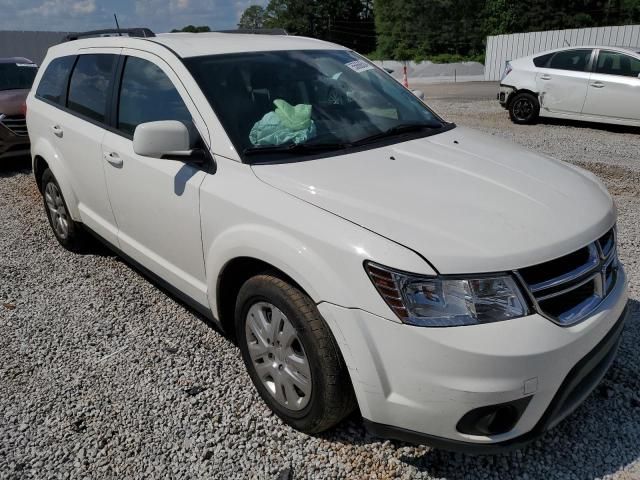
448 302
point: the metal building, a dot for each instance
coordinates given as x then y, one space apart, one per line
32 45
502 48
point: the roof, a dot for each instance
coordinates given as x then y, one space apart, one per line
15 60
632 50
199 44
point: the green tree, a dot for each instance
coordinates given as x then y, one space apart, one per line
349 22
192 29
252 17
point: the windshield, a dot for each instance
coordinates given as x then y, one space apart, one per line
279 104
17 76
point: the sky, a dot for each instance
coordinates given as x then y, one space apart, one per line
83 15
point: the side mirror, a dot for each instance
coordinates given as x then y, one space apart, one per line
161 139
418 93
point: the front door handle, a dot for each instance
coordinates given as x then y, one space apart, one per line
545 77
57 131
597 84
114 159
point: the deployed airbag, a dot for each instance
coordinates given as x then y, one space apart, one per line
286 124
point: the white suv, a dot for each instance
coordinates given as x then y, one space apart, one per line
594 84
459 290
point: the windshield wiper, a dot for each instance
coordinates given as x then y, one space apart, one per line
397 130
295 148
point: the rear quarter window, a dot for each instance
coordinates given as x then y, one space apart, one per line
53 84
542 60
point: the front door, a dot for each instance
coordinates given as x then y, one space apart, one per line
614 87
156 202
562 83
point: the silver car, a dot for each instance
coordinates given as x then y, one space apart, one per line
595 84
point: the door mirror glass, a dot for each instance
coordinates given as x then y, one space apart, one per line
162 138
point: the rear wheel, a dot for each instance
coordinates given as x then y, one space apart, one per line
68 232
524 108
291 355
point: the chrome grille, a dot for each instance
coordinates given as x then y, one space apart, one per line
569 288
16 123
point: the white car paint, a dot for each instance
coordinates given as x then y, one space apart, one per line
578 95
458 202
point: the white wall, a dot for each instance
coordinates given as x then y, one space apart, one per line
502 48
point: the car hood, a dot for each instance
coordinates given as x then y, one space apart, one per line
12 101
466 201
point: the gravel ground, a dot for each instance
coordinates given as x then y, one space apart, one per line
105 376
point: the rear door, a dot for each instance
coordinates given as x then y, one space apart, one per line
562 83
75 125
614 87
156 202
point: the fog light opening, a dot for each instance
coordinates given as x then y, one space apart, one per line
493 419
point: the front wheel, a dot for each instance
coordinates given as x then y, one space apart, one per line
524 108
291 355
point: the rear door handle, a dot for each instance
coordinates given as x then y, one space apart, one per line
57 130
114 159
545 76
597 84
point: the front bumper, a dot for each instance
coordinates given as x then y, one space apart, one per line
12 145
416 383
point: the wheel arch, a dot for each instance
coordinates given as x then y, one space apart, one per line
44 156
233 275
519 91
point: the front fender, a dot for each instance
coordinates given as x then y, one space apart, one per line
323 253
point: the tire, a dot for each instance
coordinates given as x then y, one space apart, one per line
68 232
327 397
524 108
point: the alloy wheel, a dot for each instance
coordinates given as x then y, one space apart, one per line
523 109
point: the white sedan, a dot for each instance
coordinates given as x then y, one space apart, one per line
594 84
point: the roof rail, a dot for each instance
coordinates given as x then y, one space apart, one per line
109 32
257 31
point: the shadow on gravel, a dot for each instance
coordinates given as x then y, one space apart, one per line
598 439
13 166
607 127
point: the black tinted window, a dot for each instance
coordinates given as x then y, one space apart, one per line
16 76
147 95
613 63
542 60
574 60
53 84
89 86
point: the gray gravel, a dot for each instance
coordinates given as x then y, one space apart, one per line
105 376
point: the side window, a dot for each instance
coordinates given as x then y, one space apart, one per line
542 60
574 60
613 63
147 95
53 84
89 85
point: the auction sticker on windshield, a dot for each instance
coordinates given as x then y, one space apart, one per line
359 66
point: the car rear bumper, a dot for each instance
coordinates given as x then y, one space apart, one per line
424 384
